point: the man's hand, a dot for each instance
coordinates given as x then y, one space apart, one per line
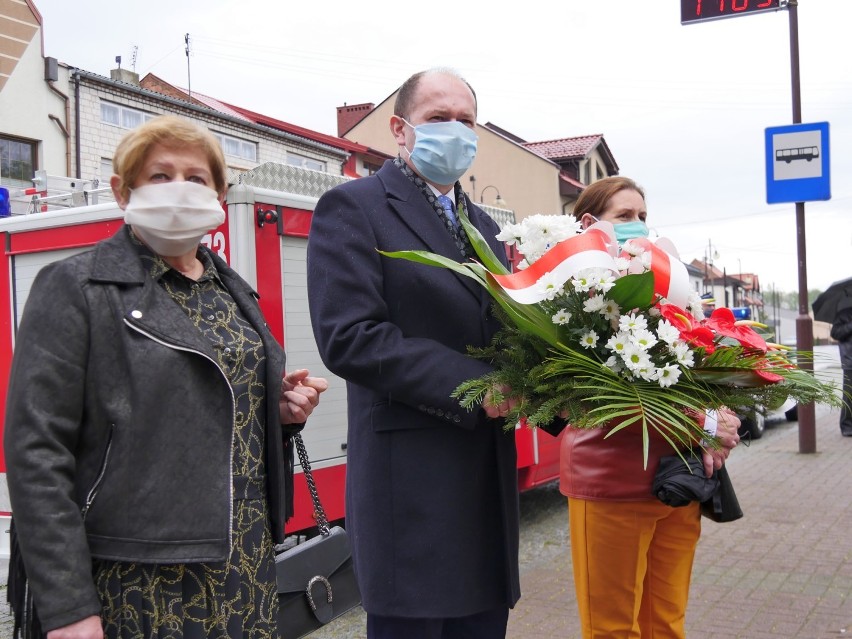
88 628
502 409
299 396
726 432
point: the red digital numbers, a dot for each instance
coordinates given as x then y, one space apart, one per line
700 10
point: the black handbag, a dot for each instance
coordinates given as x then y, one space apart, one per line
316 579
723 506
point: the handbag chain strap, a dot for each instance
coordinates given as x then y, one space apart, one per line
319 512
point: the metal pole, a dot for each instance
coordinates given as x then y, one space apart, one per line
804 323
188 78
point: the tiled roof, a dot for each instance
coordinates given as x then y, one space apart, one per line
578 147
331 140
219 106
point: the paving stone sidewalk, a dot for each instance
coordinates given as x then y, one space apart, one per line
783 571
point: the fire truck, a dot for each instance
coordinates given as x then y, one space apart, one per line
264 238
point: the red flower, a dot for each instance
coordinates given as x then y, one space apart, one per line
722 321
691 332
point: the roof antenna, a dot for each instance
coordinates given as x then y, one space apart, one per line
188 80
133 60
118 61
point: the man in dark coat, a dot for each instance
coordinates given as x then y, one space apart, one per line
431 490
841 330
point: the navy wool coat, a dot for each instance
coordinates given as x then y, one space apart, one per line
431 488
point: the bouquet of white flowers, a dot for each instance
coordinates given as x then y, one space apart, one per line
611 337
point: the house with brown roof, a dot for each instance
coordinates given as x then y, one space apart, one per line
582 160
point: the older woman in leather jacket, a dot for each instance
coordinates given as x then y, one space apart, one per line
149 417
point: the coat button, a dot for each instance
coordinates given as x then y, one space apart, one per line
136 314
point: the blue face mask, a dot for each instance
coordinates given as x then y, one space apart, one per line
630 231
443 151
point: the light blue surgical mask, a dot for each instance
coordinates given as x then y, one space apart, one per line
630 231
442 151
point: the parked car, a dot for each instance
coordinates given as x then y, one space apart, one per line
752 423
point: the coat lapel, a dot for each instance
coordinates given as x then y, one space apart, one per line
407 202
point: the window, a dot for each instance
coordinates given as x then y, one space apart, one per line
17 162
371 168
294 159
122 116
236 147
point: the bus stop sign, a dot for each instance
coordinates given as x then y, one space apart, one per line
797 163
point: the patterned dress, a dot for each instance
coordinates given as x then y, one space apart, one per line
237 597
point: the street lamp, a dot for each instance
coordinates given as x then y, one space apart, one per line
709 255
498 201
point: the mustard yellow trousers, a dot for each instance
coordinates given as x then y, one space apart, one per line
632 566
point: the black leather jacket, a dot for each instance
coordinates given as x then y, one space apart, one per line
119 426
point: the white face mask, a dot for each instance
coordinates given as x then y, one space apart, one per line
172 217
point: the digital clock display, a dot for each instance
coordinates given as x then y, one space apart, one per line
701 10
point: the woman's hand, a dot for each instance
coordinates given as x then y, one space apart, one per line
727 427
88 628
299 396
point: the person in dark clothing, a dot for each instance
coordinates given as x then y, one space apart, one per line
841 330
431 489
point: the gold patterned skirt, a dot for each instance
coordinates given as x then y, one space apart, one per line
229 600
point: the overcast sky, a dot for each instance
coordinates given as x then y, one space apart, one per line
683 108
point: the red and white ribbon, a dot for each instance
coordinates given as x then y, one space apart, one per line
563 261
671 279
595 249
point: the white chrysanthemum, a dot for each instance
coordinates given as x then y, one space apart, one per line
668 375
666 332
549 286
536 234
643 338
683 354
614 363
510 234
561 317
632 248
618 342
645 260
635 358
581 282
602 279
647 373
611 310
622 264
695 306
589 339
632 322
594 304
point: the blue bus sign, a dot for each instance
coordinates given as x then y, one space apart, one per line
797 163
